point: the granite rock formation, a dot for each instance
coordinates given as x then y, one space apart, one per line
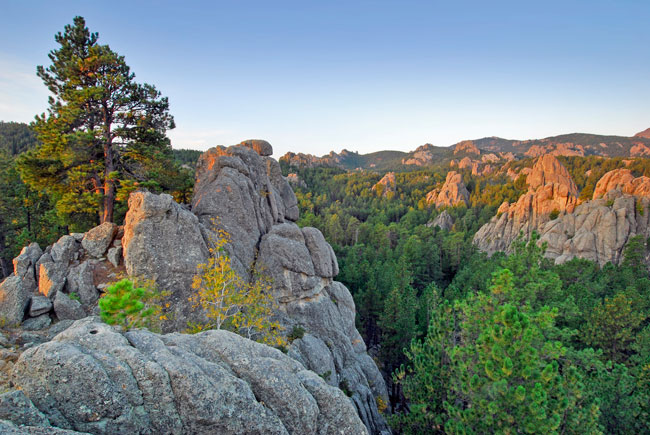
550 191
452 193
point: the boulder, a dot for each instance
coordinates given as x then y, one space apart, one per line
261 147
114 256
52 277
39 305
80 282
95 379
163 241
66 308
65 250
322 254
14 299
24 265
97 240
37 323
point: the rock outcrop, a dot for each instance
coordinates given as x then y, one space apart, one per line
444 221
94 379
623 180
243 193
452 193
550 191
386 185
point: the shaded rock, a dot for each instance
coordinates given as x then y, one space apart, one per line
37 323
93 379
39 305
80 282
14 298
52 277
65 250
322 254
444 221
24 265
17 408
114 256
312 352
162 241
97 240
66 308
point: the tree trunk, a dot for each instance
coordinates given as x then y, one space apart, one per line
109 166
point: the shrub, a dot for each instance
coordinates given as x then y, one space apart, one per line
131 306
554 214
296 333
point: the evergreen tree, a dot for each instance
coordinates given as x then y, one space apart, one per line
101 129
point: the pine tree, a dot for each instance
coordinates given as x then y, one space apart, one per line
101 128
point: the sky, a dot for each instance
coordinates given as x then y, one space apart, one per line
315 76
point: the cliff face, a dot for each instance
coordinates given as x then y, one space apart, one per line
550 190
239 189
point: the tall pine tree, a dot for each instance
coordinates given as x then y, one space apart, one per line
101 130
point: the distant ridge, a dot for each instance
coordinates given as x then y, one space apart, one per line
573 144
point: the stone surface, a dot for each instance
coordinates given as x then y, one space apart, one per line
452 193
24 265
66 308
65 250
97 240
163 241
114 256
14 298
80 282
92 378
444 221
39 305
17 408
322 254
466 147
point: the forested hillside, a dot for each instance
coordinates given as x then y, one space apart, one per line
486 339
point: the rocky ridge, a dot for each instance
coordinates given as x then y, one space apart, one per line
386 185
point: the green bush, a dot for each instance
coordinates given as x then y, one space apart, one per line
131 307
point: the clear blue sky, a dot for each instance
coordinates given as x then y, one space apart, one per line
314 76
